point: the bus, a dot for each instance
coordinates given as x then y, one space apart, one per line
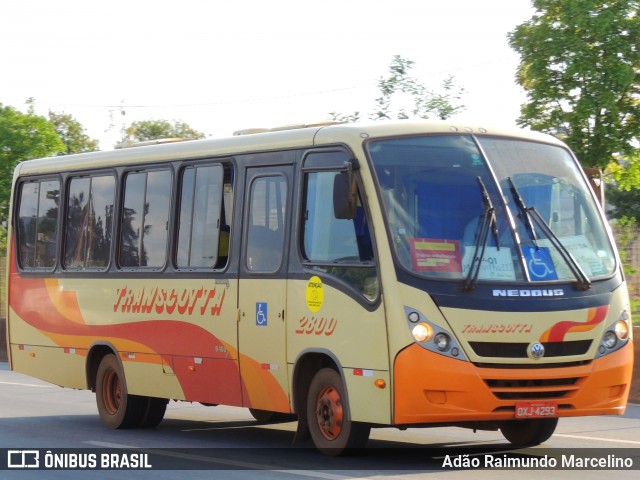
351 276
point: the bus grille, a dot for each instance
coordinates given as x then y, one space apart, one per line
519 350
532 389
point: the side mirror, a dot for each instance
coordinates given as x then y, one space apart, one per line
345 197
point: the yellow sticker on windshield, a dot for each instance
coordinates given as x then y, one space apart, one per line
315 294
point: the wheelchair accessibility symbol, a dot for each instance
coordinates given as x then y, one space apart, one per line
540 263
261 314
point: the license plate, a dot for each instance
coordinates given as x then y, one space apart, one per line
536 409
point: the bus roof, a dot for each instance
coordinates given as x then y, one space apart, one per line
298 136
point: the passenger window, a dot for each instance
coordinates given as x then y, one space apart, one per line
266 228
341 247
38 224
145 219
203 234
89 222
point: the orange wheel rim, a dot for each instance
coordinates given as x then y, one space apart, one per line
112 391
329 413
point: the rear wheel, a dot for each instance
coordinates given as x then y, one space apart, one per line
329 418
529 432
154 409
117 408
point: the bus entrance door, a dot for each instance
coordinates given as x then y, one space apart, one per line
263 287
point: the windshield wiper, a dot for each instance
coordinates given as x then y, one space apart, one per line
524 213
482 234
529 216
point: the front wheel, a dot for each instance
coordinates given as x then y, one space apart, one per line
329 417
529 432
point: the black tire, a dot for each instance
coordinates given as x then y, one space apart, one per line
117 408
153 411
529 432
262 416
328 416
267 416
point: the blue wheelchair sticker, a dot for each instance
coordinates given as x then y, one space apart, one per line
540 263
261 314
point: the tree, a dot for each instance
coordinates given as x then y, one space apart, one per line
71 132
624 192
146 130
580 67
22 136
400 85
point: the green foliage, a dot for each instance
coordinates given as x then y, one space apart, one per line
22 136
579 65
400 85
146 130
626 232
72 134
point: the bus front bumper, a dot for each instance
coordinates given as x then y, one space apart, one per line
431 388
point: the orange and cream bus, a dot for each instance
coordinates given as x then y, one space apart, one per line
390 274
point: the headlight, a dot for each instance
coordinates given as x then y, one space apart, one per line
616 336
442 341
422 332
622 329
609 339
433 336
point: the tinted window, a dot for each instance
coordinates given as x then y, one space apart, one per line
267 213
89 222
341 247
201 214
145 219
38 224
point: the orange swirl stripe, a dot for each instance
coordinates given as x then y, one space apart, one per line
557 333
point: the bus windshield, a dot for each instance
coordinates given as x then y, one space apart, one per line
490 209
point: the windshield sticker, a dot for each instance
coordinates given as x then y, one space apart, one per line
436 255
582 250
540 263
496 264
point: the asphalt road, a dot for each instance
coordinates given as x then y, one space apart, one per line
225 442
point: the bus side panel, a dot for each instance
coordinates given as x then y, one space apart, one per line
164 335
37 361
354 337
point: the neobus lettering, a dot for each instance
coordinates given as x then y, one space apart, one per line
184 301
528 293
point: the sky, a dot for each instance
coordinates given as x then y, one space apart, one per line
222 66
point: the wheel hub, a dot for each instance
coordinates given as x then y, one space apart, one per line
329 413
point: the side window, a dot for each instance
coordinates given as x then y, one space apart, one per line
145 219
266 227
203 233
38 224
341 247
89 222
